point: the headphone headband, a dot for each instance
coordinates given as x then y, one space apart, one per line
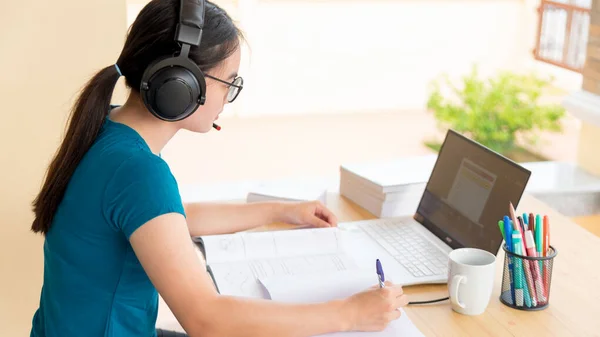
191 22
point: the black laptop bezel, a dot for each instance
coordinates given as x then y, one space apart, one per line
437 231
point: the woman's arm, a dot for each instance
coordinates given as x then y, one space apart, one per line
221 218
216 218
168 256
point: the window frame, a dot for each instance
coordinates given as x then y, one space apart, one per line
570 9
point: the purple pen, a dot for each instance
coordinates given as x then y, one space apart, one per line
380 274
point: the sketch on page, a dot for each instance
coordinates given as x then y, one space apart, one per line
241 278
224 248
260 245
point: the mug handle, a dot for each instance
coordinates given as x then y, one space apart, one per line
456 281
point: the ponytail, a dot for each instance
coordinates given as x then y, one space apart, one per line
87 117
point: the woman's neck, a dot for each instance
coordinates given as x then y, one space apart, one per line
154 131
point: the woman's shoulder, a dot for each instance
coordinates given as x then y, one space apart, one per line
123 161
141 188
121 145
140 164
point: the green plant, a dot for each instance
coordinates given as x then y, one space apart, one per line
496 112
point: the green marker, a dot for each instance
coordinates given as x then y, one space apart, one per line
501 225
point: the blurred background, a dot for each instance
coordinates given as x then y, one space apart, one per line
326 82
338 80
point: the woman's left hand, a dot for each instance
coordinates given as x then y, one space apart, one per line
308 214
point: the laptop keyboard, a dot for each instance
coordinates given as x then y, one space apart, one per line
420 257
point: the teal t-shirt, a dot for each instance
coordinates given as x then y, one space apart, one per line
94 285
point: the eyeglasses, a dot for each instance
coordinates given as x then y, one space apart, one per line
234 87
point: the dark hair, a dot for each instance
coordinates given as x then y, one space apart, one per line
150 37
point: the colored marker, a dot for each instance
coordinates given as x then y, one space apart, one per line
507 230
546 271
526 294
521 226
539 239
528 276
537 277
546 235
531 222
522 230
518 274
518 244
509 247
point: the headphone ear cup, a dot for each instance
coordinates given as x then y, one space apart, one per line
173 88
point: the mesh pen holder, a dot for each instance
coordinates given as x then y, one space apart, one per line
523 275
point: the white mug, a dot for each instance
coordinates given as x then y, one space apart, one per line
470 280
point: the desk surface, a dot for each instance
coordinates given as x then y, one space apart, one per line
574 308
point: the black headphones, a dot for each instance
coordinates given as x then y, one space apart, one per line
173 88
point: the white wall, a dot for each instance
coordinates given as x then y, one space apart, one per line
334 56
370 55
49 49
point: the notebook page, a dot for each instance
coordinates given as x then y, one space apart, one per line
330 286
273 244
241 278
316 287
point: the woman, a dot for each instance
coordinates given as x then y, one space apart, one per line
117 233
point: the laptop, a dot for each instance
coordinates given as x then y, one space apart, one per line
468 192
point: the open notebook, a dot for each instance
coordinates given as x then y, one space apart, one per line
237 261
303 265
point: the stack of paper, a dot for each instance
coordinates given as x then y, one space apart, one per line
387 189
297 190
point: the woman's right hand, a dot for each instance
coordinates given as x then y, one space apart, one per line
374 308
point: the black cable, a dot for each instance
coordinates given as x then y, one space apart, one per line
431 301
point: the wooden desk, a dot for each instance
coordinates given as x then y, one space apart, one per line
575 292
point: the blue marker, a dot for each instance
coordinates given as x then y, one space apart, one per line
508 228
525 219
380 274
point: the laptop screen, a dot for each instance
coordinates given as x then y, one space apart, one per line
468 192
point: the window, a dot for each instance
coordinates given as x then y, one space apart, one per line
563 33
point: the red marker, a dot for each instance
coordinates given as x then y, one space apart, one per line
216 127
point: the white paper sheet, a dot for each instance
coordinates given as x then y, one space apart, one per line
276 244
334 285
241 278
